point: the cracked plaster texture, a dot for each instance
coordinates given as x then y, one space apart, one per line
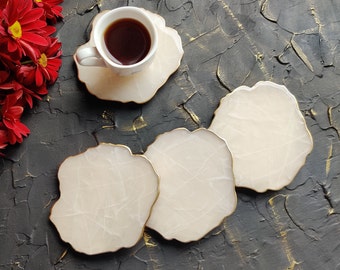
227 43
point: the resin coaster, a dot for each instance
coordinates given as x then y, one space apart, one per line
266 134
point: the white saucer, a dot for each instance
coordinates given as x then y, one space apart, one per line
142 86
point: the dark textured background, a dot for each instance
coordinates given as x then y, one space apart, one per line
226 43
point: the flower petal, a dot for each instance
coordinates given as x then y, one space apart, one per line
32 15
14 112
39 78
34 39
36 26
31 51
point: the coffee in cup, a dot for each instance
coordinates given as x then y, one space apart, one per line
125 40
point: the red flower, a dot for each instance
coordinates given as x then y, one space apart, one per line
29 60
23 28
3 138
23 94
49 63
52 9
11 114
45 68
26 74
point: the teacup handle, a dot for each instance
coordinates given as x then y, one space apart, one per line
89 56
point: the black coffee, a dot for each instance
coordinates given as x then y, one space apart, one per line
128 41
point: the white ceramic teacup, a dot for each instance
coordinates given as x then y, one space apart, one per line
99 55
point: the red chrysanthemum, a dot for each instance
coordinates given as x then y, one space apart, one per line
23 94
49 63
23 28
45 68
11 114
51 8
3 138
29 60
